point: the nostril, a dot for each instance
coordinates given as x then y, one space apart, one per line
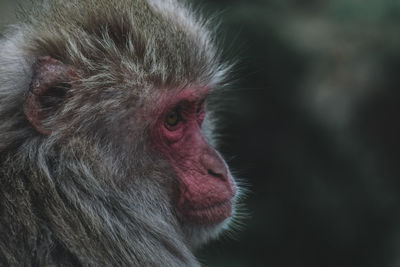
215 174
214 164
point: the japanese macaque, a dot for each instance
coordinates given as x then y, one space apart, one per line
106 147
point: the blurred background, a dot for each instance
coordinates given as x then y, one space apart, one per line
313 129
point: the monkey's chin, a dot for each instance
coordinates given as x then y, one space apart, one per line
199 235
204 224
211 215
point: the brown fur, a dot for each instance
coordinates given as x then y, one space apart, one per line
86 194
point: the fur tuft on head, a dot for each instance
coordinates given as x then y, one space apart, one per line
156 42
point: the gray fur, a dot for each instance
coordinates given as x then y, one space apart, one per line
88 194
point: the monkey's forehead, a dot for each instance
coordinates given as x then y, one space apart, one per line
158 42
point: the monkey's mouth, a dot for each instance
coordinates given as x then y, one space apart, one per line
213 214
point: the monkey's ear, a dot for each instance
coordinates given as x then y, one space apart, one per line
50 85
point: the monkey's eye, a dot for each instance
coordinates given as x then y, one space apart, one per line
172 118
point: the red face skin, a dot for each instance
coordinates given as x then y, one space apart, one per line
206 187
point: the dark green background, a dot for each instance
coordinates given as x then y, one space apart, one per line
313 128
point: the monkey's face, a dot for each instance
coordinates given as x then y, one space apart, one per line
113 81
206 188
203 191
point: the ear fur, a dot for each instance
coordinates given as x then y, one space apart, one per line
50 85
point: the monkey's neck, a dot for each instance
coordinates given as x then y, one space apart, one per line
68 217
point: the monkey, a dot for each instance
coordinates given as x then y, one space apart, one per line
107 152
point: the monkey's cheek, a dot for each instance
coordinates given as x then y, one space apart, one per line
212 215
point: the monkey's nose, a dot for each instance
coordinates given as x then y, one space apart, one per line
214 165
216 174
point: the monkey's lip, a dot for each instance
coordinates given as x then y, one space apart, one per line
213 214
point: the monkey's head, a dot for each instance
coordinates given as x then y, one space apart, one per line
116 92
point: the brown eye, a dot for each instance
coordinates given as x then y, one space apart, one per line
172 118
